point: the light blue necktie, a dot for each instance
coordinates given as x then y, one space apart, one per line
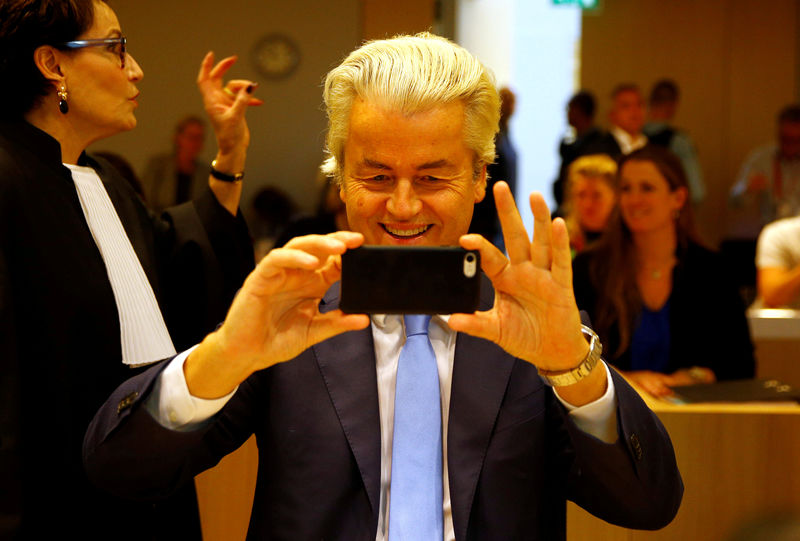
415 509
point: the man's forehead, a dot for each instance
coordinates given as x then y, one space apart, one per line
390 111
628 96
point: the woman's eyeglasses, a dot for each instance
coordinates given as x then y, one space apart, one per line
119 45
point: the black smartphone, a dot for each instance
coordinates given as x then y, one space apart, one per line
410 280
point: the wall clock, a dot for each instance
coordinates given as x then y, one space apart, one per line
276 56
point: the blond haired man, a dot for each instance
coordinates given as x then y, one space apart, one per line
412 121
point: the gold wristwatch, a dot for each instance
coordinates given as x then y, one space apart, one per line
574 375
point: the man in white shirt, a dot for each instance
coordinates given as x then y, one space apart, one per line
778 264
411 130
627 117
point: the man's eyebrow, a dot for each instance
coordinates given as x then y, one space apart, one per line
435 165
374 164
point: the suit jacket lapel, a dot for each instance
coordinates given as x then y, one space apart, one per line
480 376
347 364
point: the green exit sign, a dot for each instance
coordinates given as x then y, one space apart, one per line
583 4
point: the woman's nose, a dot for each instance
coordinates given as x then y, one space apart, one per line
135 72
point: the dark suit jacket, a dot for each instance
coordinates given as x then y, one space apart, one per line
514 456
59 329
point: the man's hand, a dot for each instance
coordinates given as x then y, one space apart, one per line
275 316
534 316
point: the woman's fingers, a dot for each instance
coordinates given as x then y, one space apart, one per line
221 67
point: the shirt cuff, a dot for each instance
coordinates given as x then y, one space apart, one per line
598 418
173 406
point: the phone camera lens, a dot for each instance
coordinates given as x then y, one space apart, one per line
470 264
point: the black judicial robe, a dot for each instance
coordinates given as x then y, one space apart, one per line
60 353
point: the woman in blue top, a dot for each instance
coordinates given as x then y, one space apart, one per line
660 301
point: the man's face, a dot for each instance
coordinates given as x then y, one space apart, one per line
789 139
628 111
190 140
409 180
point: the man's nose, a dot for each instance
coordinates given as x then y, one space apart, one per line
404 202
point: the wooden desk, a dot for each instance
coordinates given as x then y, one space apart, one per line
738 461
776 336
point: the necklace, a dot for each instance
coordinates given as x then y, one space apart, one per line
660 271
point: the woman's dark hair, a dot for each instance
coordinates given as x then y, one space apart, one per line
613 265
26 25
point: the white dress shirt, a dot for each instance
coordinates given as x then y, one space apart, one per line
626 142
173 407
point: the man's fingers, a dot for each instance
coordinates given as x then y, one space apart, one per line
334 243
311 253
541 248
479 324
330 324
492 260
561 268
514 233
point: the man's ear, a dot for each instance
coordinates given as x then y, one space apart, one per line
480 185
48 60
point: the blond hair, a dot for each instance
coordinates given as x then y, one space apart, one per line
599 166
412 74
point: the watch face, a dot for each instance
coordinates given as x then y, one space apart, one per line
276 56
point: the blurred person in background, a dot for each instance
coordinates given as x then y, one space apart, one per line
178 176
590 199
778 264
93 285
484 218
626 119
330 214
583 140
768 185
661 302
273 210
662 107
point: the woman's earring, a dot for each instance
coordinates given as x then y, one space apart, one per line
63 106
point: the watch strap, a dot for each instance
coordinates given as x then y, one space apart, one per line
562 378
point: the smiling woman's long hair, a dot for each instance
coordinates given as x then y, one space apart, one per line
613 263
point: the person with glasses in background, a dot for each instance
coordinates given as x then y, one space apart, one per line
92 284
